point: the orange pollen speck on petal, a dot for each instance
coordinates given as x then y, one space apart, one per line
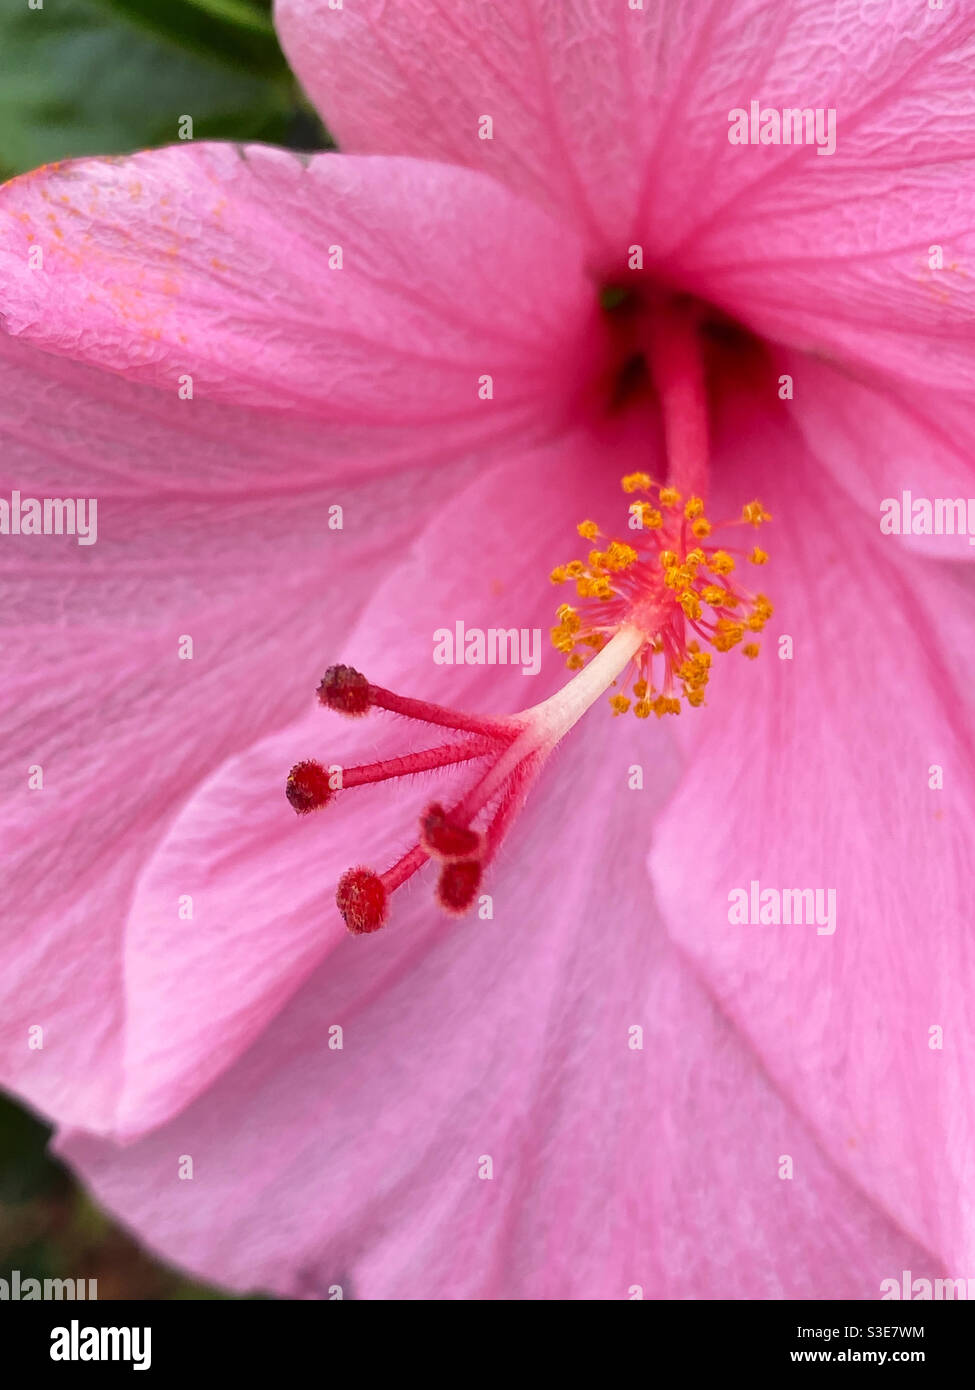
670 581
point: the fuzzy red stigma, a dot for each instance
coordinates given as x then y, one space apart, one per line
344 690
501 757
457 886
307 787
444 838
361 898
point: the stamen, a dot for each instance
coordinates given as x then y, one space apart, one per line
671 584
649 607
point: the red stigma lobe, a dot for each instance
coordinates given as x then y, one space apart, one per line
307 787
361 898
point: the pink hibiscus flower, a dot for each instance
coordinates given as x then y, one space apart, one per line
598 1084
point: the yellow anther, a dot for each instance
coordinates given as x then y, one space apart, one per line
691 604
678 578
650 518
596 586
666 603
727 635
662 705
620 556
721 562
636 482
755 513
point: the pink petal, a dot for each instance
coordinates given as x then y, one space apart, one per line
510 1040
213 262
878 439
815 772
263 884
95 692
618 118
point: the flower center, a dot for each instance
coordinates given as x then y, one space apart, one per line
673 585
652 608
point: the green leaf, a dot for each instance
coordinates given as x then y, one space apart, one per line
77 78
235 32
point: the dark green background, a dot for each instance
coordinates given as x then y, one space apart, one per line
110 76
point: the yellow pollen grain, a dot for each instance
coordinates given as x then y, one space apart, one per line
650 519
588 530
701 527
694 506
750 649
691 604
721 562
620 556
665 705
727 635
755 513
758 556
669 497
636 482
620 704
